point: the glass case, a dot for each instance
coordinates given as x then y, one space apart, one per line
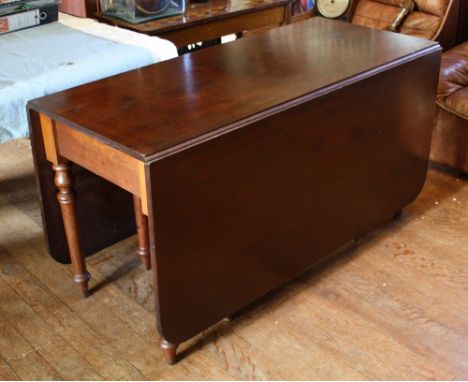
138 11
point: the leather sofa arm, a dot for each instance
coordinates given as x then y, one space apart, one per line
453 71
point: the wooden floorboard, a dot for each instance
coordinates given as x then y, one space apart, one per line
392 307
7 373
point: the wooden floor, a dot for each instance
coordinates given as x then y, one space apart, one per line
394 307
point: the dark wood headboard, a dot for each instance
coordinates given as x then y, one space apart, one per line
80 8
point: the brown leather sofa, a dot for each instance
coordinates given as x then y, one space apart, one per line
431 19
436 20
450 136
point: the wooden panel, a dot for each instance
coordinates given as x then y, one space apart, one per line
7 373
105 161
237 216
219 28
142 170
105 211
48 136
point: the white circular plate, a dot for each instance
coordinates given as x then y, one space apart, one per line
332 8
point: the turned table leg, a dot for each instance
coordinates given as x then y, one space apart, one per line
65 196
169 350
142 233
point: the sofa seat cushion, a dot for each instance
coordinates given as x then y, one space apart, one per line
457 103
450 135
453 71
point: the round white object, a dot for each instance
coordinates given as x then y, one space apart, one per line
332 8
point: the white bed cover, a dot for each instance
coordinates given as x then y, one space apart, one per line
53 57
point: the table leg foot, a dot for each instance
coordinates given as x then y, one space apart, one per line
65 196
397 215
145 260
142 234
82 282
170 351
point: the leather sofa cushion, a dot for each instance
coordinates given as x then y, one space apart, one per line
423 22
452 93
453 71
458 102
434 7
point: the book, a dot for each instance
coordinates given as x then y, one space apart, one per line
29 18
13 6
2 2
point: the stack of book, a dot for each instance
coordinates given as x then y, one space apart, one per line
20 14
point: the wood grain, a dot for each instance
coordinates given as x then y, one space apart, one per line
48 135
13 344
32 366
7 373
202 95
68 363
335 322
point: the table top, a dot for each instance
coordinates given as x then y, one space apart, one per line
153 111
197 14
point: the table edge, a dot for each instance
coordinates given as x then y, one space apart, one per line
235 125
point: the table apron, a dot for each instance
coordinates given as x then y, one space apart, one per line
212 30
125 171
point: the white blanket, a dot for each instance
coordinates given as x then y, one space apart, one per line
46 59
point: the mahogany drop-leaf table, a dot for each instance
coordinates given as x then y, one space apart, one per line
253 160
